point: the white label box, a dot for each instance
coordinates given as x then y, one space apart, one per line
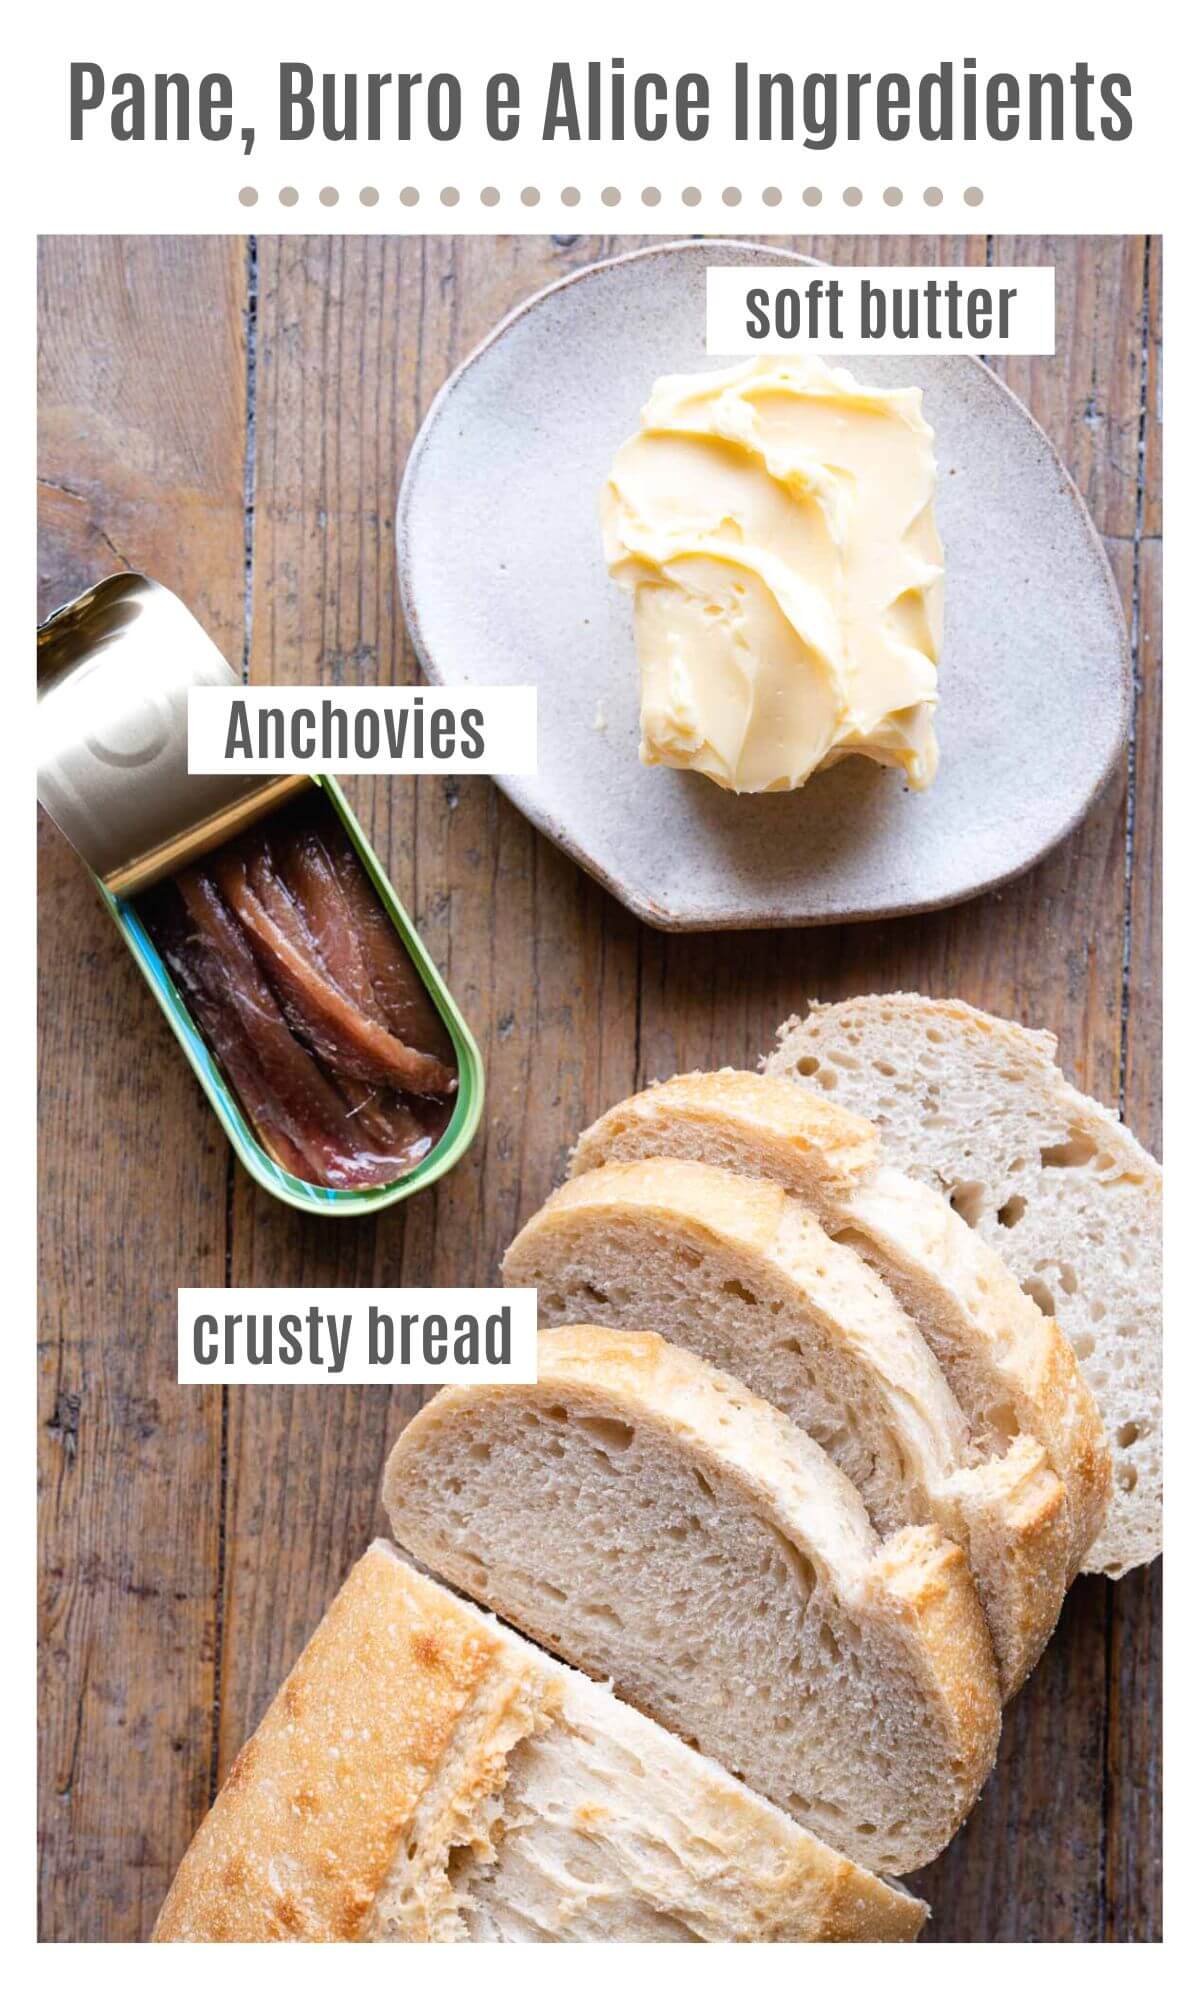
357 1334
454 732
880 309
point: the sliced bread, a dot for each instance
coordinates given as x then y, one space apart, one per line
977 1108
653 1521
743 1274
425 1776
1012 1370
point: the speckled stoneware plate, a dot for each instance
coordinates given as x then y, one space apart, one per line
503 580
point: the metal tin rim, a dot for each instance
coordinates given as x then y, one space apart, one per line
306 1196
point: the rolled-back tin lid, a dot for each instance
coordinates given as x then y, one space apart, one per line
114 670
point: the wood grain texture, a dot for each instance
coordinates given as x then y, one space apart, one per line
142 440
573 1001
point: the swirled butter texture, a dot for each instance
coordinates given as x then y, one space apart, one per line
775 524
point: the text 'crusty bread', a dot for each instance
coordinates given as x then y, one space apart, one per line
424 1775
745 1276
977 1108
1010 1367
656 1523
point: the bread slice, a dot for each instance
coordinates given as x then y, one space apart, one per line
977 1108
1012 1370
744 1275
656 1523
425 1776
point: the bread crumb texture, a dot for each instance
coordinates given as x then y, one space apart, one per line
653 1521
977 1108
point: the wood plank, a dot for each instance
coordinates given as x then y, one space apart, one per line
1133 1852
1143 1079
142 434
1134 1816
1152 524
1091 391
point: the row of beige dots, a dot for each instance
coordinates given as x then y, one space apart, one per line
449 197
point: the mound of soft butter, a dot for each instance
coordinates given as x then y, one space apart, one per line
775 524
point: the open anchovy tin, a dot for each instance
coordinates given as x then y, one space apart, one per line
114 669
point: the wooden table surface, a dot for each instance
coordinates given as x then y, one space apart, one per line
232 416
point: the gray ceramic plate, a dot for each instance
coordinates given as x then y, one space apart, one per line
504 580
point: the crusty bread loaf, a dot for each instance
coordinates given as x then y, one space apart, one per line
743 1274
653 1521
977 1108
424 1775
1012 1370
